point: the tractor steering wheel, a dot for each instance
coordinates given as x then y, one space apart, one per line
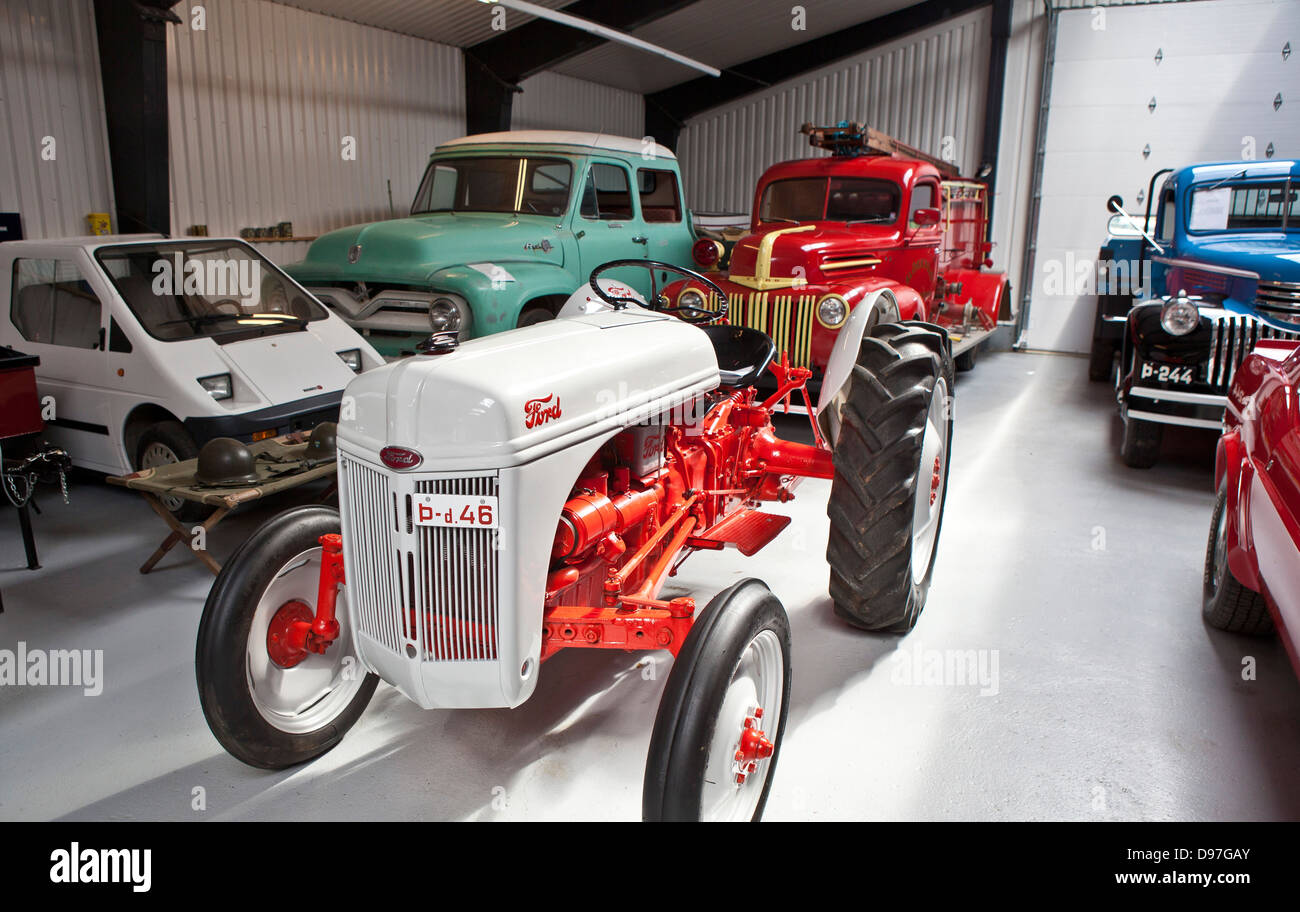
689 313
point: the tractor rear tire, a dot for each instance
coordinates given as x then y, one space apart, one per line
263 713
735 658
1227 604
891 469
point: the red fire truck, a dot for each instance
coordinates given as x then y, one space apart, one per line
827 232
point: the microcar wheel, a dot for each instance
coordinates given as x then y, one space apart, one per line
891 477
1139 445
1226 603
165 443
718 732
266 708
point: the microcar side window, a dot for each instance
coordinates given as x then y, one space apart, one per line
660 201
53 303
607 194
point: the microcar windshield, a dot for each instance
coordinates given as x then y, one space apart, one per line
193 289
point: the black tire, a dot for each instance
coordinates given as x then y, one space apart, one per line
878 476
1101 361
1139 444
966 360
1227 604
221 660
534 315
694 698
173 436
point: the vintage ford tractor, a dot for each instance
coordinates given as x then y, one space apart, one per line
512 496
829 232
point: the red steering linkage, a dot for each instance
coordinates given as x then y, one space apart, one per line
295 631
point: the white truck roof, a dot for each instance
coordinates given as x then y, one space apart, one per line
623 144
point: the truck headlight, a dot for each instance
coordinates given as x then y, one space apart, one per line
832 311
1179 316
218 386
444 315
352 358
690 298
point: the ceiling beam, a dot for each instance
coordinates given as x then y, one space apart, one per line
668 109
493 68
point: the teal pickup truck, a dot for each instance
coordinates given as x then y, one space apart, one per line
504 227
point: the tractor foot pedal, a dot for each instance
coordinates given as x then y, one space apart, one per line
748 530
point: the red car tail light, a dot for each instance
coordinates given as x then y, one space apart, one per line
400 457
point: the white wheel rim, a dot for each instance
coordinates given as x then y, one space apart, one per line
160 454
758 680
930 482
318 689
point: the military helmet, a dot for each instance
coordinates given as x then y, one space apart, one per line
321 444
225 461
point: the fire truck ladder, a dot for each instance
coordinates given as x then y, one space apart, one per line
847 139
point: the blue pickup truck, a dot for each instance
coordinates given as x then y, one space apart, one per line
1224 272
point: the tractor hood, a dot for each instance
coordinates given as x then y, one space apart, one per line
408 251
1275 256
816 252
513 397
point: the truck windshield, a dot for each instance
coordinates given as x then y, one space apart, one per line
833 199
192 289
1272 206
495 184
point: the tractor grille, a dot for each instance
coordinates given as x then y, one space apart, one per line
788 319
1232 336
430 588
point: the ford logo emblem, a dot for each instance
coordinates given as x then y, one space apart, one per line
400 457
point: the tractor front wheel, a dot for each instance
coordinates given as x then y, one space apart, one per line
891 477
268 707
718 732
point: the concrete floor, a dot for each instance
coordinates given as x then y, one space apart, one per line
1075 579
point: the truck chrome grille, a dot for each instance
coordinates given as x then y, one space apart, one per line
1232 336
432 589
1280 296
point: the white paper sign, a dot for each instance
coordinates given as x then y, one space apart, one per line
1210 209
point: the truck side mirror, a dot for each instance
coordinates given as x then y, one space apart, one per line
1115 203
924 217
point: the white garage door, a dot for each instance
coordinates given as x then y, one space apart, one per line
1221 67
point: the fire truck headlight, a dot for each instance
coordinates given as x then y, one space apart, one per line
1179 316
832 311
691 298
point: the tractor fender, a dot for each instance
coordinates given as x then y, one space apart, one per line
496 304
985 290
879 305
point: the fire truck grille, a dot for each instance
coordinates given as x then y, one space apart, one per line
788 319
431 589
1232 336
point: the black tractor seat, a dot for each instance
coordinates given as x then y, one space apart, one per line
743 353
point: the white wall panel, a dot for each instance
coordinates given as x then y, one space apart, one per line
551 101
920 89
260 103
1221 67
50 87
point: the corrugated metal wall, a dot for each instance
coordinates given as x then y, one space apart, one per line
555 102
260 104
920 89
50 87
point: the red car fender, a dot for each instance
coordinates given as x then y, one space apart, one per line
1233 468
